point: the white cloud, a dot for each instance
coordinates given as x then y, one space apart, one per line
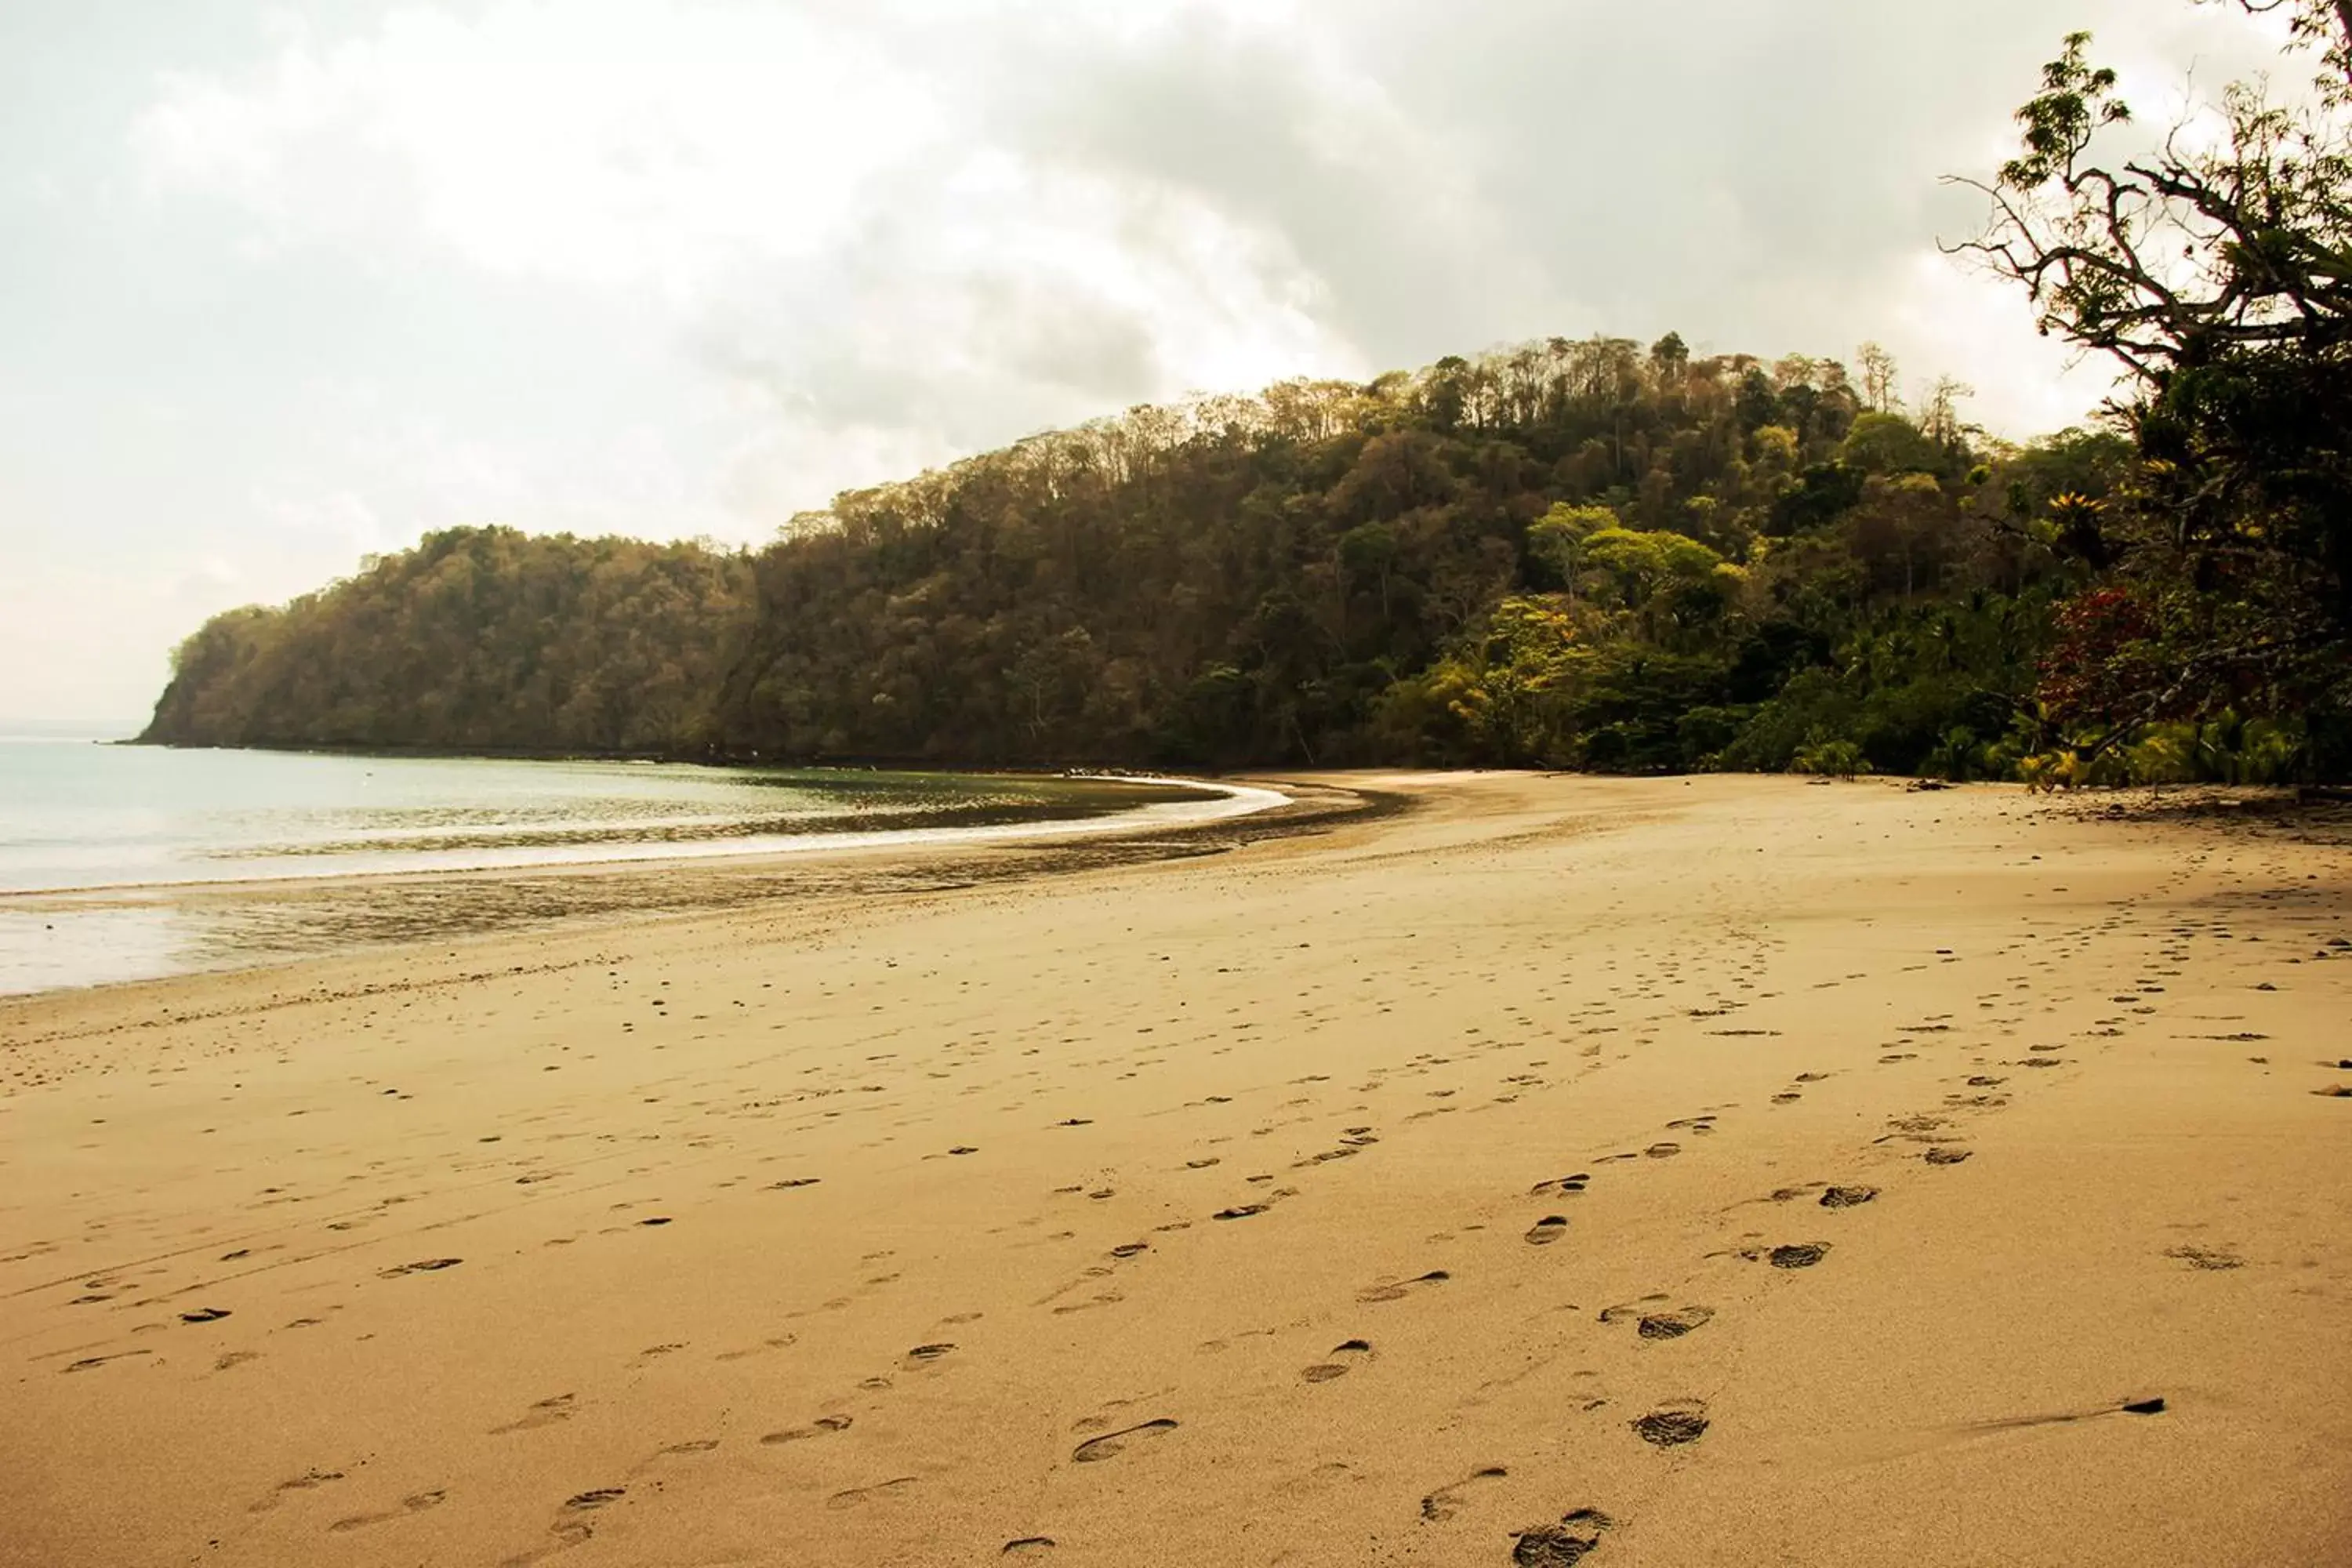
605 142
679 150
939 223
873 220
1957 323
340 515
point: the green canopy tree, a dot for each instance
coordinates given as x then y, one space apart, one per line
2217 271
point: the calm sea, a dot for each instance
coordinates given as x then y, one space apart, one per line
121 862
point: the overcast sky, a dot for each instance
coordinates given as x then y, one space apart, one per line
282 285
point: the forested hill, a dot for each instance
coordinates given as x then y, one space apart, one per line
477 639
1582 554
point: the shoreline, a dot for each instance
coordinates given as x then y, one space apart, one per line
473 905
1244 799
1834 1174
238 921
706 759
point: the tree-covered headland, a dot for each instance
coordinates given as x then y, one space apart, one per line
1587 553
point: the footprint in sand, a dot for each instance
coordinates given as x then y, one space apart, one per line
1624 1309
1798 1255
415 1502
1947 1156
1344 1358
675 1451
880 1490
1110 1445
1847 1197
428 1266
765 1346
1672 1424
2206 1258
569 1530
1561 1545
1673 1325
1028 1546
1448 1501
1564 1186
1400 1290
544 1413
817 1429
1547 1230
310 1480
1663 1151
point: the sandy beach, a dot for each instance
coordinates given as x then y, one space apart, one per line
1667 1172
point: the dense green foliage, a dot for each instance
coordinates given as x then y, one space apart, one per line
477 639
2216 268
1579 553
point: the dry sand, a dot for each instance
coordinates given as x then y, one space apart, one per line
1790 1174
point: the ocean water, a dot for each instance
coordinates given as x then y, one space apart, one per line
123 862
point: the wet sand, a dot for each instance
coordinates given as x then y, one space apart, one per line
1644 1171
258 912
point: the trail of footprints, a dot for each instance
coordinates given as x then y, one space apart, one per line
1675 1423
1578 1533
1669 1424
1672 1424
